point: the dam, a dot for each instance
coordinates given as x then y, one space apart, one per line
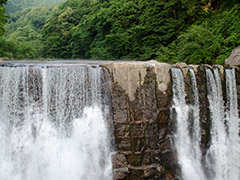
93 120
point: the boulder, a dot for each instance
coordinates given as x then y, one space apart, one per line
234 58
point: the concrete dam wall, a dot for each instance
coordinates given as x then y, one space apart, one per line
119 120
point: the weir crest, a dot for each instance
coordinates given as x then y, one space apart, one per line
119 120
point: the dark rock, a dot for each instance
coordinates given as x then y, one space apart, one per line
123 144
119 161
122 130
135 159
141 101
121 173
205 120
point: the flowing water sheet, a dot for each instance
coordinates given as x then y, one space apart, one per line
233 140
217 154
188 149
53 124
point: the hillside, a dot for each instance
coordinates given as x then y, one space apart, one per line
170 31
188 31
23 33
18 5
3 17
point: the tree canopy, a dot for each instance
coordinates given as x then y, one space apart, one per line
3 17
190 31
18 5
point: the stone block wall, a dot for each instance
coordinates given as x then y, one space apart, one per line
143 120
141 102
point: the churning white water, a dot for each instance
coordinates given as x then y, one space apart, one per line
217 153
233 140
53 124
188 149
196 130
222 157
225 144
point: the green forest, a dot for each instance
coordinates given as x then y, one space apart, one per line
191 31
17 5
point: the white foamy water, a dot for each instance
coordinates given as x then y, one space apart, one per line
217 153
233 140
53 124
221 159
189 154
196 129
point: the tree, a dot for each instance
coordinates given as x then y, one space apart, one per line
189 31
3 17
198 45
18 5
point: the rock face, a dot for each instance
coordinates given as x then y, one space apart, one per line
234 58
144 121
141 101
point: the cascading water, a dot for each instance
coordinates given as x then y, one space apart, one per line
53 124
188 149
233 141
196 130
217 153
224 151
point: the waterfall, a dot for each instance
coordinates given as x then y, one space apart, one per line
221 160
233 141
225 144
53 124
188 148
217 153
196 130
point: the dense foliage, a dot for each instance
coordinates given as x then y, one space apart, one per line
190 31
112 29
3 20
18 5
209 40
3 17
23 33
